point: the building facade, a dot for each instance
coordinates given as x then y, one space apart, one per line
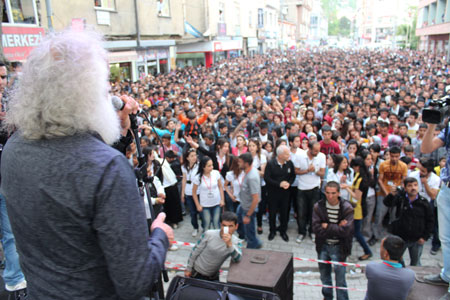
377 25
433 26
318 25
299 13
22 29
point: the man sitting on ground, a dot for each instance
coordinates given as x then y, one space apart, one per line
389 279
213 248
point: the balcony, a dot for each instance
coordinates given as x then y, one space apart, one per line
443 28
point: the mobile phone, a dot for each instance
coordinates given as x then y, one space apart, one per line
225 230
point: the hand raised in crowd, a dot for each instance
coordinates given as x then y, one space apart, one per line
227 238
423 180
159 223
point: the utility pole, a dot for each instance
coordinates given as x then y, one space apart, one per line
448 51
138 31
48 5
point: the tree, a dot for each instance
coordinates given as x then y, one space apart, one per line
402 29
344 26
412 38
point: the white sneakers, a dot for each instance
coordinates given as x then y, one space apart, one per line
300 238
195 232
20 286
173 247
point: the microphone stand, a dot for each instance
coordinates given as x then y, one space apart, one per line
157 291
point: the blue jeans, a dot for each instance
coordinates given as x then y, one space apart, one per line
192 211
443 204
332 252
211 217
381 210
415 252
12 274
359 237
248 230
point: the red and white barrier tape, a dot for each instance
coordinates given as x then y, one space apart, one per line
338 263
344 264
331 287
180 267
183 244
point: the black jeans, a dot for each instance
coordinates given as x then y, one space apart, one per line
278 203
305 204
435 242
262 206
197 275
293 190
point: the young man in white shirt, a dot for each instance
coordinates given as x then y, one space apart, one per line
311 169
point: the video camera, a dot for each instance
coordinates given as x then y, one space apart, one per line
439 109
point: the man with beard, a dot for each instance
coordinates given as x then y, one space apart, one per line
74 206
413 217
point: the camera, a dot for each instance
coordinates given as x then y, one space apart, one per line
439 109
400 191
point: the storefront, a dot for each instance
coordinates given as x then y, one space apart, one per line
121 65
19 41
252 46
207 53
153 61
127 63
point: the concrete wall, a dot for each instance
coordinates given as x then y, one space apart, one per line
122 19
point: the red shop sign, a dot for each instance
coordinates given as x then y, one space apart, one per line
19 41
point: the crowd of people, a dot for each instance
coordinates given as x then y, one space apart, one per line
333 138
307 118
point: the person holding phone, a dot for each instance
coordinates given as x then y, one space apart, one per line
213 248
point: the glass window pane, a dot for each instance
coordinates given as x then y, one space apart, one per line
5 13
107 4
23 11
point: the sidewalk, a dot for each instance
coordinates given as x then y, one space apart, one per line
304 271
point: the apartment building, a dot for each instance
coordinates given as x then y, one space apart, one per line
433 26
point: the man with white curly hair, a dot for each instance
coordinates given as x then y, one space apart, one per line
75 209
15 283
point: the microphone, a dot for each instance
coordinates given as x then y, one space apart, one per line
117 103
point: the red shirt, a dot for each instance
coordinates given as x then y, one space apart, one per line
331 148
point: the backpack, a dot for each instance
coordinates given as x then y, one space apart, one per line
192 129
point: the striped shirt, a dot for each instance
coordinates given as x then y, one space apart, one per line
333 215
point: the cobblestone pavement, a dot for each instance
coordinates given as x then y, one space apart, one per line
304 271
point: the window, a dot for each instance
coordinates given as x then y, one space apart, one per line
20 12
250 23
221 12
105 4
260 18
163 7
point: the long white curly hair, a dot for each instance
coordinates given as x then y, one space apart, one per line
63 90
